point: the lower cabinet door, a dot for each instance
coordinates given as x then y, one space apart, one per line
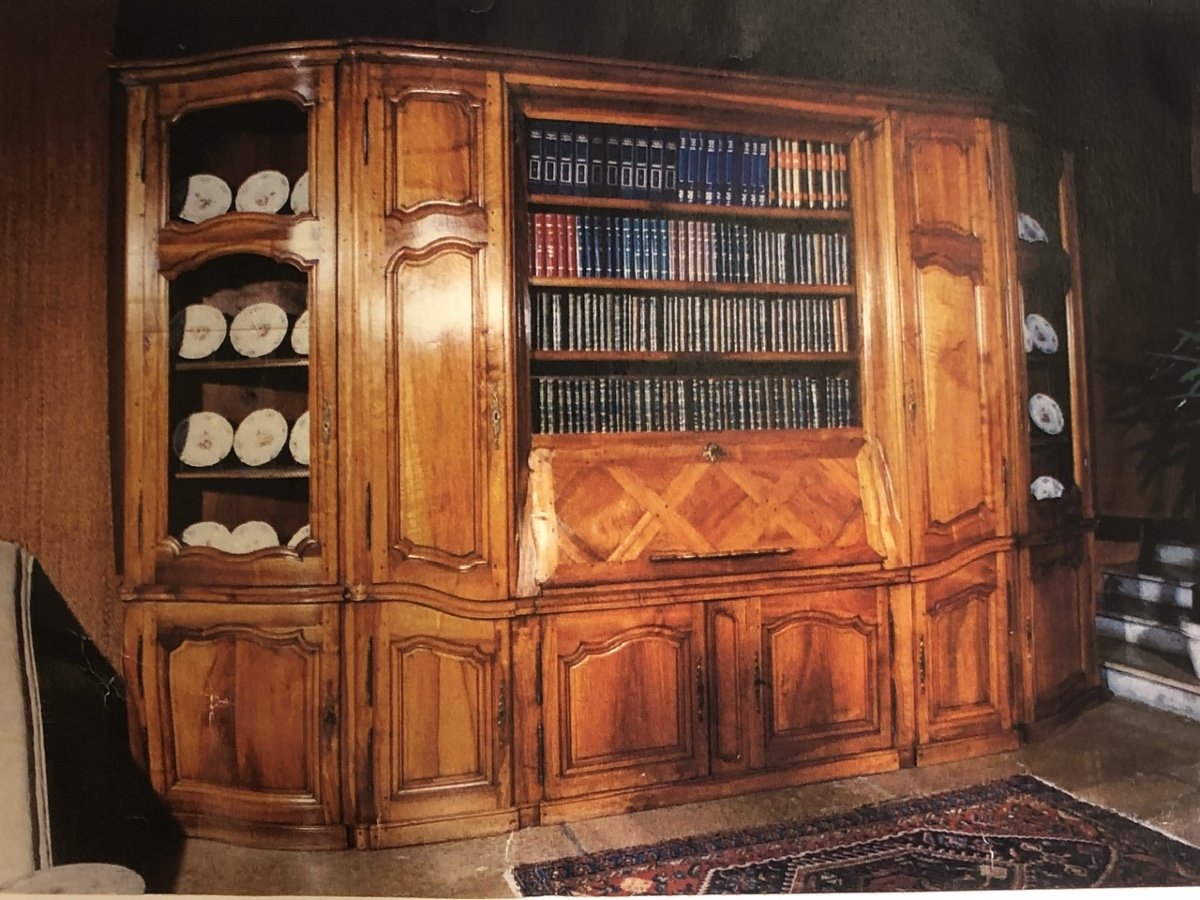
962 665
435 723
241 707
1057 624
822 675
626 701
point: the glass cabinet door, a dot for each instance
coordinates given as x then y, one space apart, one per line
232 455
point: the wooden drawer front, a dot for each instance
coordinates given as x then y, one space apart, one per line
825 669
625 699
659 508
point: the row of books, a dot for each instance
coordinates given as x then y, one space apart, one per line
626 322
683 165
566 245
572 405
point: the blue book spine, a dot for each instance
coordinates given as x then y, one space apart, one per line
727 157
695 176
595 181
711 167
625 239
657 162
583 143
566 158
610 247
627 144
533 148
597 229
655 269
583 249
550 157
641 164
664 249
763 180
612 162
670 165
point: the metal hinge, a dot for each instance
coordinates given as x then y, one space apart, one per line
1004 475
367 515
326 423
699 692
541 755
921 663
987 161
369 687
537 687
366 128
501 711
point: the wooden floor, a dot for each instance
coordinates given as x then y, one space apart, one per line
1134 760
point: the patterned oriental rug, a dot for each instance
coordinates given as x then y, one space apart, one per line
1016 833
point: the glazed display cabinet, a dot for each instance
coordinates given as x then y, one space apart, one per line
514 438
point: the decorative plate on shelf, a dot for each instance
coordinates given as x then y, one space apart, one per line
207 196
300 334
206 534
202 439
260 437
266 192
300 195
1046 487
197 331
1040 334
258 329
303 533
1046 413
298 442
251 536
1028 229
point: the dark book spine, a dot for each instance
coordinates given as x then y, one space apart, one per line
566 158
550 157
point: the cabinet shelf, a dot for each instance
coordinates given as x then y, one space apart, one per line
606 356
244 473
238 365
272 234
690 210
709 287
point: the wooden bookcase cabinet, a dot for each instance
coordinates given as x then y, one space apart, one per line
492 623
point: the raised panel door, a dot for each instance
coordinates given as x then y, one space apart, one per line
429 335
1056 616
952 331
962 652
242 713
822 675
625 699
435 722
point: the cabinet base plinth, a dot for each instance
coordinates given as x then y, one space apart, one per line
967 748
568 809
404 834
264 836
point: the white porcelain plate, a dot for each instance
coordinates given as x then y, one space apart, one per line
303 533
206 534
298 442
202 439
1040 334
264 192
258 329
300 202
1046 487
251 536
300 334
260 436
1046 413
198 331
207 196
1028 229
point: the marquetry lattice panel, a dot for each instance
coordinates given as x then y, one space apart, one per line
637 512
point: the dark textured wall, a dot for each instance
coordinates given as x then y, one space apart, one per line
1109 78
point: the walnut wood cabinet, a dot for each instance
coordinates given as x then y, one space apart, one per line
510 438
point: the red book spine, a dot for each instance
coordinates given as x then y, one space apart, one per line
571 267
538 238
551 242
